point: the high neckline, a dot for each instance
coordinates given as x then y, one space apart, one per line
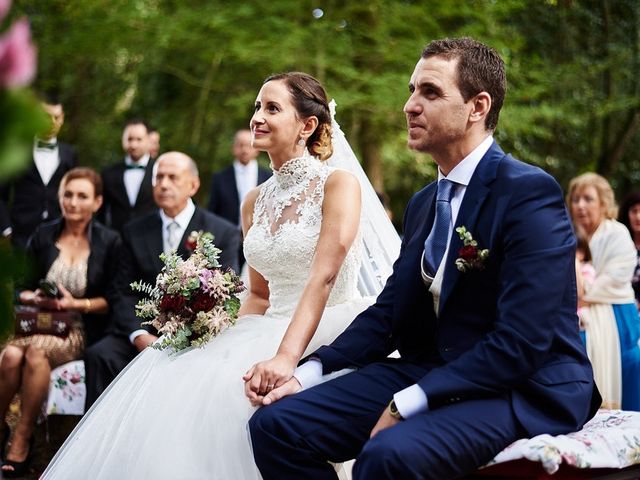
293 171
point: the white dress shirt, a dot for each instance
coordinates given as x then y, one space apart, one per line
182 219
412 400
47 161
133 177
246 177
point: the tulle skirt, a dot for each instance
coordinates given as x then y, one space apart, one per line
183 416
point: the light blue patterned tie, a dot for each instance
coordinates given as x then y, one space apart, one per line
436 243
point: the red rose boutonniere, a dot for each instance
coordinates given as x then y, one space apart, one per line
192 241
470 256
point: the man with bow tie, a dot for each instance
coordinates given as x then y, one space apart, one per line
32 198
481 306
127 185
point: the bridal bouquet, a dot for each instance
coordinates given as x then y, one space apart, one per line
193 300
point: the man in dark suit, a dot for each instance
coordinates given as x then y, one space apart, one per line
489 343
229 186
144 239
32 197
127 185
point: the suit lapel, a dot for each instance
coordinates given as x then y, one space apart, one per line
195 224
145 187
415 245
153 239
232 194
263 175
64 165
474 197
119 189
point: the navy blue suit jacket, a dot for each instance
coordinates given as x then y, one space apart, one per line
223 197
509 328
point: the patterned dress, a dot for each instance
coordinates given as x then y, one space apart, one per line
61 350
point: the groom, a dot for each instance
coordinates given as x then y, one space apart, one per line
489 342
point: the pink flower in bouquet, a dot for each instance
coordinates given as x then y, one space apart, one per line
17 55
214 283
75 378
4 8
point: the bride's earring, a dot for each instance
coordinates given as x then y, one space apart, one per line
302 142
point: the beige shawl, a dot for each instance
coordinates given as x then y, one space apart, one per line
614 259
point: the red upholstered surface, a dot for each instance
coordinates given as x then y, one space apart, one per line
520 469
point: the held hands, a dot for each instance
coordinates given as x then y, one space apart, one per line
268 377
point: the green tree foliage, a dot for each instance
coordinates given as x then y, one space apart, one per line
193 68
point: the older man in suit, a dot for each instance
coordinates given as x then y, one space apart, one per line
127 185
489 343
144 239
32 198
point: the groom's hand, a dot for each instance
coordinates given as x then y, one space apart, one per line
385 421
288 388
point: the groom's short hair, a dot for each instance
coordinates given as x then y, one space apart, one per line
480 69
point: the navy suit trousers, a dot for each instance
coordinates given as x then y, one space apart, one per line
296 437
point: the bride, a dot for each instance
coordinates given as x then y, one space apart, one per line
184 416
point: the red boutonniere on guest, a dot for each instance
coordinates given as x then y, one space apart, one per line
470 256
192 241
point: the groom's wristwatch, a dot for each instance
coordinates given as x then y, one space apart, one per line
393 410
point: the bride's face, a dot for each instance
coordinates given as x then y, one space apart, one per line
275 126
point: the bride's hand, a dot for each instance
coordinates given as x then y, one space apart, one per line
265 376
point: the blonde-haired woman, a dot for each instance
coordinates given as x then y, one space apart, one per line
612 325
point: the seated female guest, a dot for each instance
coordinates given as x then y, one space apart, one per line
610 317
630 217
78 255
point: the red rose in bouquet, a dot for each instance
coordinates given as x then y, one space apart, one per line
203 302
172 302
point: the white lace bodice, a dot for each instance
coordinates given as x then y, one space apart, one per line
286 225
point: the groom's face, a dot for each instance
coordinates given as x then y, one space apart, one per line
437 115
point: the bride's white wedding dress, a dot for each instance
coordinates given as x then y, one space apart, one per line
184 416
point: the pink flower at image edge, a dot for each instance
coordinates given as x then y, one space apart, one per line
17 56
5 5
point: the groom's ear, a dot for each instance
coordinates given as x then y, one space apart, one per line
480 106
310 125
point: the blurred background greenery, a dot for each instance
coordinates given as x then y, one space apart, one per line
193 68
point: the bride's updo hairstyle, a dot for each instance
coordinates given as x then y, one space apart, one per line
310 99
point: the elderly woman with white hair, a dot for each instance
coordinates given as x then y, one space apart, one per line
610 317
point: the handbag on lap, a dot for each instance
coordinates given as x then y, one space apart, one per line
31 320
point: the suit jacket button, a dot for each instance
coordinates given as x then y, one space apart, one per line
446 349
